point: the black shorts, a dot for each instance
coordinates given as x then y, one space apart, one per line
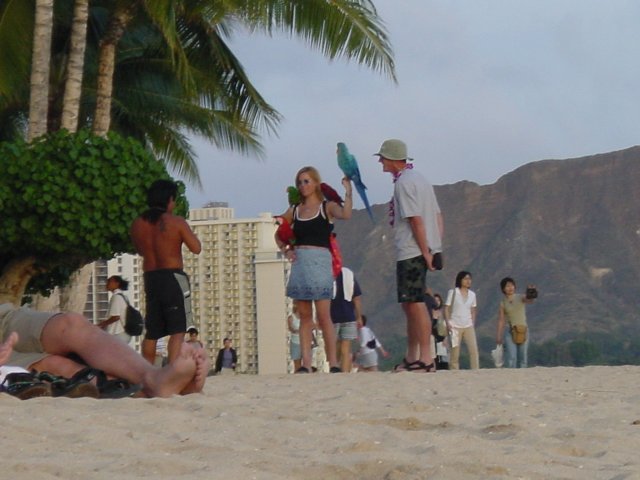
168 297
411 278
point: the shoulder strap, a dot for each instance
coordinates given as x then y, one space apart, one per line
126 300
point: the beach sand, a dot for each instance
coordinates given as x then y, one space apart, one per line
539 423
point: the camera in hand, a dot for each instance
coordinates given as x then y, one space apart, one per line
437 261
532 292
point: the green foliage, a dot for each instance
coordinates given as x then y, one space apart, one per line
68 199
618 347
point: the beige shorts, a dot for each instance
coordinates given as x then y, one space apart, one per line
28 324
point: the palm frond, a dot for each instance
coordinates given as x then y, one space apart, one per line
338 28
16 40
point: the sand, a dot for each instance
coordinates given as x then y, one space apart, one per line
539 423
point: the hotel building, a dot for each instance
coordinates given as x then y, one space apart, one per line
238 288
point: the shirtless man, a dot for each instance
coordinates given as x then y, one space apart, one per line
43 341
158 236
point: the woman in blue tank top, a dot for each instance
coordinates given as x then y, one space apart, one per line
311 277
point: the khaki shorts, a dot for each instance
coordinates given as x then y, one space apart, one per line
28 324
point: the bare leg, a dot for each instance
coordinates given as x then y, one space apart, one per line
344 350
71 333
419 332
58 365
297 364
149 350
413 348
305 312
175 344
6 348
323 311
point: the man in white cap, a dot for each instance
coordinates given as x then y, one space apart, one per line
418 228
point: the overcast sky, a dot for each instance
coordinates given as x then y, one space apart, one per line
484 86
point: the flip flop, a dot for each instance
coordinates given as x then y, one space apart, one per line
24 386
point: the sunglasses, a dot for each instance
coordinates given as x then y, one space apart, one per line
304 181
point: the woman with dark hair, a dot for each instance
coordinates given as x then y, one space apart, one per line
512 316
117 313
460 309
311 277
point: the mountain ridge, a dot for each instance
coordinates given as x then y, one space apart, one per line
571 226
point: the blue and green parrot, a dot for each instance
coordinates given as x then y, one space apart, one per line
349 166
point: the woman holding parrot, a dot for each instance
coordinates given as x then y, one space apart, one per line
311 278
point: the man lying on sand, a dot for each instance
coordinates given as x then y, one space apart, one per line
44 341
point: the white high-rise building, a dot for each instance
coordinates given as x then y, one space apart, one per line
129 267
238 287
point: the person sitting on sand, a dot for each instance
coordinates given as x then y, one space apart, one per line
44 342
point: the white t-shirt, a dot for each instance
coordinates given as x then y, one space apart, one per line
117 308
461 309
366 335
413 196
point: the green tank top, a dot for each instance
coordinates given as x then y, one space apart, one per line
514 312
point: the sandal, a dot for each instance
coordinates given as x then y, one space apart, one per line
24 386
335 370
75 387
402 367
421 367
302 370
116 388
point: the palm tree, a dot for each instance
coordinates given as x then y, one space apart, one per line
39 97
175 75
75 67
194 32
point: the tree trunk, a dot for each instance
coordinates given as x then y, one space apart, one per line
14 279
106 67
46 304
75 66
74 296
39 96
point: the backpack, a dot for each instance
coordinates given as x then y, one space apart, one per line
134 322
439 328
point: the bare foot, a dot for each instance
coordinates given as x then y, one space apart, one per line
6 348
202 368
173 378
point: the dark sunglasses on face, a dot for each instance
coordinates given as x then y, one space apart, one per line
305 181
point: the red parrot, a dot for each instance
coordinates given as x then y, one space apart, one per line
284 232
336 255
330 194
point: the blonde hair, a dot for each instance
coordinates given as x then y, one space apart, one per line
315 176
